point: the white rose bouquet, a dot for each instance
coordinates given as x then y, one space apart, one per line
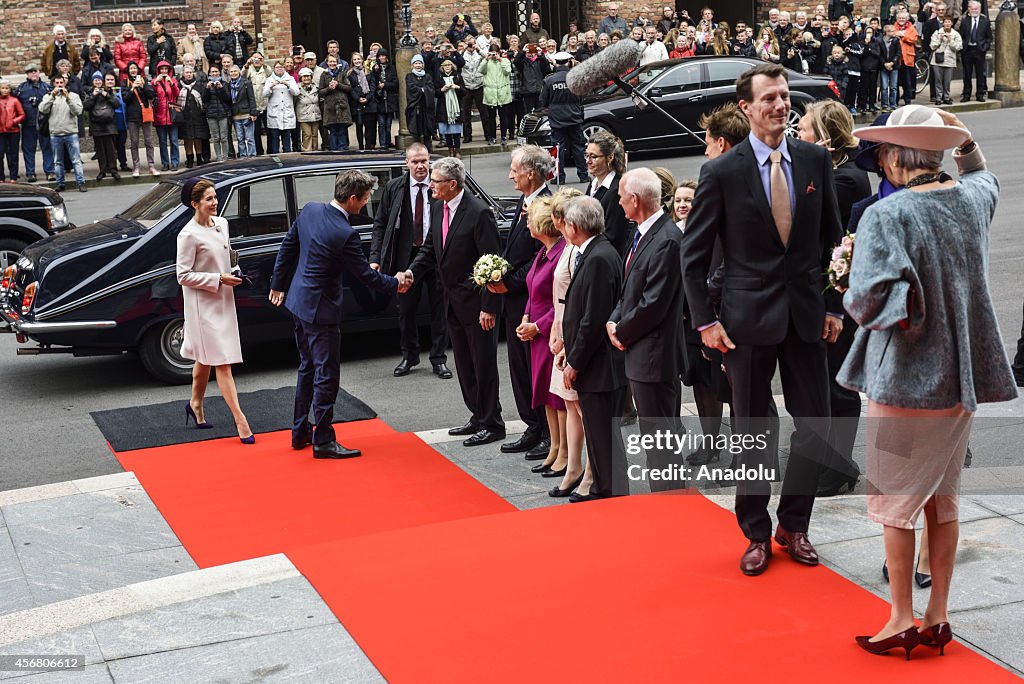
489 268
839 267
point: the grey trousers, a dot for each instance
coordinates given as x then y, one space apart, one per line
133 136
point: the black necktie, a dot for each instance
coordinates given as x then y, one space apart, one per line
417 221
974 31
576 266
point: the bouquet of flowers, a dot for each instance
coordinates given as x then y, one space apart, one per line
489 268
839 267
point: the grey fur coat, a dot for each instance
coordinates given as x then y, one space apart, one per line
923 256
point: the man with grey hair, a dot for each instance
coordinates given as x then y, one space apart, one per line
613 21
976 32
462 229
320 248
528 171
645 323
594 368
57 49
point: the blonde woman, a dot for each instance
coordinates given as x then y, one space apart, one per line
129 49
682 202
192 44
95 40
578 476
766 47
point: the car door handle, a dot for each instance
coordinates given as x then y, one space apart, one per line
696 98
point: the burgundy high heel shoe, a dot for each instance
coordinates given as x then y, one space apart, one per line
938 634
190 413
908 640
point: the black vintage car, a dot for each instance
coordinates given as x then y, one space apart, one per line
110 286
28 213
685 88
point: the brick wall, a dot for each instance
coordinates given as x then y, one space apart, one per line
28 24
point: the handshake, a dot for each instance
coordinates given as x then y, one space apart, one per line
405 281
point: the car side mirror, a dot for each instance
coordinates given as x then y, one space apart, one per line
654 92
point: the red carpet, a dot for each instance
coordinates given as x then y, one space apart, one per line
639 589
440 580
228 502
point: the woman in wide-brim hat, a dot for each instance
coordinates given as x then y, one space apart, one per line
928 352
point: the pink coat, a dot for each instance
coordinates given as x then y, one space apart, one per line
166 94
131 50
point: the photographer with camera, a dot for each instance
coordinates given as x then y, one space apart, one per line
497 73
461 29
62 108
101 104
217 101
34 130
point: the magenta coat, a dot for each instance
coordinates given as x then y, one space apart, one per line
540 309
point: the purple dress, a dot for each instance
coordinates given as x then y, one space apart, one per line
540 309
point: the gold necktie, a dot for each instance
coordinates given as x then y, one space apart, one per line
780 197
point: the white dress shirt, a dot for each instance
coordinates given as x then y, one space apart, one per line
413 190
606 183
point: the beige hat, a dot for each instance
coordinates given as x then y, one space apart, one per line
917 127
309 55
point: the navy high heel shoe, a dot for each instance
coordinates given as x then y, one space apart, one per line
251 439
189 413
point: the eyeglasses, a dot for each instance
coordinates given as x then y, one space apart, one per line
592 157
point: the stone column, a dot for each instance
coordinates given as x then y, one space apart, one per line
403 65
1007 56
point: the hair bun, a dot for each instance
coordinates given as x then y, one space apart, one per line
186 191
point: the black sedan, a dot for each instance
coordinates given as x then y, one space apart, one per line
28 213
110 286
685 88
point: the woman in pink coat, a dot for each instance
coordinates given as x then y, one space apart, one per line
207 285
129 49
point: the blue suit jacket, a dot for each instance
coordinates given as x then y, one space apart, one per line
320 247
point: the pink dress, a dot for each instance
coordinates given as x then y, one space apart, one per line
211 325
540 309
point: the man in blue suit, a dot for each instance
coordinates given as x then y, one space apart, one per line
320 247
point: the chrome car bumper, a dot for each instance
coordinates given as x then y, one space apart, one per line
35 328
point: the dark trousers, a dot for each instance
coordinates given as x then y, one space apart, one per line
409 304
804 372
1018 358
908 83
29 139
974 67
9 152
476 361
384 122
852 91
530 101
366 129
261 126
845 411
657 408
106 153
470 99
316 388
518 111
279 141
570 141
869 88
603 432
519 367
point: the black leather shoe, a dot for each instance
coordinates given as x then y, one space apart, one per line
540 451
833 486
469 428
441 371
334 450
484 437
405 366
541 468
965 99
300 444
554 473
524 443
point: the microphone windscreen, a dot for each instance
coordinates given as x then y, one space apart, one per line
610 62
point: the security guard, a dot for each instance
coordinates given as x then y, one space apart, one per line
565 114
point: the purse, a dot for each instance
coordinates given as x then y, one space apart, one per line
940 57
147 112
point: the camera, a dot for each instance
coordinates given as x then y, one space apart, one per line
296 49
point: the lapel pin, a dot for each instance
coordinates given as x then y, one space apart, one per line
811 188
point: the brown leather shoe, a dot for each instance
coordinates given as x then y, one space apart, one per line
755 558
798 545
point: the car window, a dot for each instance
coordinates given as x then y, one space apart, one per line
681 79
635 77
320 188
257 209
724 72
149 209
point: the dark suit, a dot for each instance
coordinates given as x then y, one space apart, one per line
617 228
648 316
600 380
772 309
520 252
393 249
319 248
974 52
472 232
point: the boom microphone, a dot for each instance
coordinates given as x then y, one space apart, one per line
607 64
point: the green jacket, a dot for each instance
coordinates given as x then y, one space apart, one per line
497 81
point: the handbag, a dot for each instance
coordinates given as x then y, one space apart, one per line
940 56
102 113
147 112
177 116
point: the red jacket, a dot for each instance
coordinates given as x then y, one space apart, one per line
131 50
11 114
166 93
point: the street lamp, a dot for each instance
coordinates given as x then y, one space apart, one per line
408 40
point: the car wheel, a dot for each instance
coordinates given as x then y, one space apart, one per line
10 250
592 128
160 352
795 114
